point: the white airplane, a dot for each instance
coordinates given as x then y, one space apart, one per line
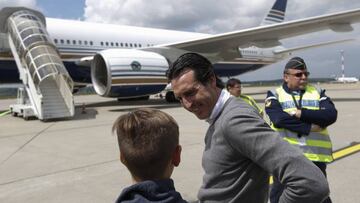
347 79
126 61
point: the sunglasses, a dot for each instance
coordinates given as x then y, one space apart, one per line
299 75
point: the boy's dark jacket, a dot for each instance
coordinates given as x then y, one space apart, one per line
159 191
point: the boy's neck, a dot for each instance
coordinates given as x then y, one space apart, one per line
167 175
138 180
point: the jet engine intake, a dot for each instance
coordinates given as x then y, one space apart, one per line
127 73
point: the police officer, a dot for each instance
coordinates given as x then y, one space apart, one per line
300 113
233 86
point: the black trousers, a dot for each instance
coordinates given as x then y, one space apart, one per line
277 188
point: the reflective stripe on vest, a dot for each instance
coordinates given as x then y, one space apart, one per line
251 102
317 145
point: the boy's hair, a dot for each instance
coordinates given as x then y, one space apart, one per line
232 82
147 140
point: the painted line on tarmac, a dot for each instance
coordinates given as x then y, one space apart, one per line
4 113
346 151
340 153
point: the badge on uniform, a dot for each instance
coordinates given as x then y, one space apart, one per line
268 103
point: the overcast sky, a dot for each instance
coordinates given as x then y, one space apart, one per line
213 16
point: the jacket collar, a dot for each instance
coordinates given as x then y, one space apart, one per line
224 96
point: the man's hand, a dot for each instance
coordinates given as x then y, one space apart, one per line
315 128
296 113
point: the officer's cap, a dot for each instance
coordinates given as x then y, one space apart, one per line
296 63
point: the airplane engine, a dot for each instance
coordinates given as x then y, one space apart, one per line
126 73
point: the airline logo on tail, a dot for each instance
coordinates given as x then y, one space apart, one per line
276 14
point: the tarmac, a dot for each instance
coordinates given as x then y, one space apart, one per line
77 160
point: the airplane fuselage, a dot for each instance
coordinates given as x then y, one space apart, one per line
77 39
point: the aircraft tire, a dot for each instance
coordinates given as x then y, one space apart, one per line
170 97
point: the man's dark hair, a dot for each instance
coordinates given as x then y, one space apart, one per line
147 139
232 82
202 67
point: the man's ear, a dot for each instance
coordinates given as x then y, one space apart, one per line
213 80
286 77
176 158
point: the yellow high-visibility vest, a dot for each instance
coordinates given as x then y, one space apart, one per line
316 146
252 103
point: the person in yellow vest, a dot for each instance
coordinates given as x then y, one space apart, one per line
300 113
233 86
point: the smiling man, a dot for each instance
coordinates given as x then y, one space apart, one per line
241 150
300 113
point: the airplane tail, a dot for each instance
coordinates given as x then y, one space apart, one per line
276 13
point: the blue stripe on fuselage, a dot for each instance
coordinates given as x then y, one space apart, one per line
81 74
9 72
228 70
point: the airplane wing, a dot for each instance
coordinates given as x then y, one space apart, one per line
310 46
224 47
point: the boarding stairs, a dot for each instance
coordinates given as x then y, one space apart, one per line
47 83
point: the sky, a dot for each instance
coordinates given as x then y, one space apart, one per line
213 16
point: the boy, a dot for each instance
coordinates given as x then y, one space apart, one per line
149 147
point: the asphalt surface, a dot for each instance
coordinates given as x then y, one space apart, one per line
77 160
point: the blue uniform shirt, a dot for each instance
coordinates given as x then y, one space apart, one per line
325 116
